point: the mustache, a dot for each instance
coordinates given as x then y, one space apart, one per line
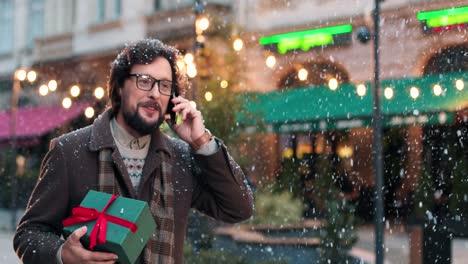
150 104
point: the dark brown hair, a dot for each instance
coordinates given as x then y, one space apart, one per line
143 52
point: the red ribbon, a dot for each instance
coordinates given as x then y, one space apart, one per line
82 214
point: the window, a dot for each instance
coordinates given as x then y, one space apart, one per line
6 26
101 11
108 10
117 8
157 5
35 21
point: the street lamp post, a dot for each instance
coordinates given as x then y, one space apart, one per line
377 116
19 76
13 114
364 35
201 25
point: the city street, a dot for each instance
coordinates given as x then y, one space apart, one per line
397 247
7 255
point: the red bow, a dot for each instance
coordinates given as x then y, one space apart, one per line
98 234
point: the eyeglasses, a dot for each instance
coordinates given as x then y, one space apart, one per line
146 82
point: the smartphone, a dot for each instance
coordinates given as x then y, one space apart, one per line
171 116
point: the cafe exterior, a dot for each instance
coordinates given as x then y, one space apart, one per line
313 96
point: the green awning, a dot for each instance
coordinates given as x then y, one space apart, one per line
320 108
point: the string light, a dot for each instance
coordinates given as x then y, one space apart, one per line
459 84
201 24
270 61
302 74
437 89
224 84
89 112
66 102
188 58
99 92
75 90
32 75
208 96
238 44
361 90
191 70
333 84
414 92
388 93
21 74
180 65
52 85
43 90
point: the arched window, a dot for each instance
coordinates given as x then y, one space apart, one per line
452 59
314 74
445 146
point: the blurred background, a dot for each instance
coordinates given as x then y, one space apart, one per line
288 86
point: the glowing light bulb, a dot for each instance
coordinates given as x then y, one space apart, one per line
89 112
32 75
414 92
66 102
238 44
437 89
333 84
202 24
459 84
270 61
52 85
361 90
208 96
99 92
188 58
302 74
75 90
388 93
224 84
191 70
180 65
43 90
21 74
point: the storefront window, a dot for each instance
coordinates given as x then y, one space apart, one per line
36 21
6 26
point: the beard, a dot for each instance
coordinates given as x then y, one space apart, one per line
137 123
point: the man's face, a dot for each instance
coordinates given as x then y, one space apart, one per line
142 112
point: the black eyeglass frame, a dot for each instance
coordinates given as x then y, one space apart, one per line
154 81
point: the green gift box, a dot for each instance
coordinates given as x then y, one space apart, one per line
120 214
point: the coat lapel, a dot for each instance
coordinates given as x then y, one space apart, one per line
101 138
158 147
123 173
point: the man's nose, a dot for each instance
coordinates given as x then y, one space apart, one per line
155 91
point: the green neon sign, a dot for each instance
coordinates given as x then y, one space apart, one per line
305 40
447 20
445 17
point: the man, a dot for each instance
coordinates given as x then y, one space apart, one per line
125 153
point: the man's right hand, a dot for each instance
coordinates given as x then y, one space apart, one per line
74 252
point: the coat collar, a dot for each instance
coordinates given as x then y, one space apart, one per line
101 136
